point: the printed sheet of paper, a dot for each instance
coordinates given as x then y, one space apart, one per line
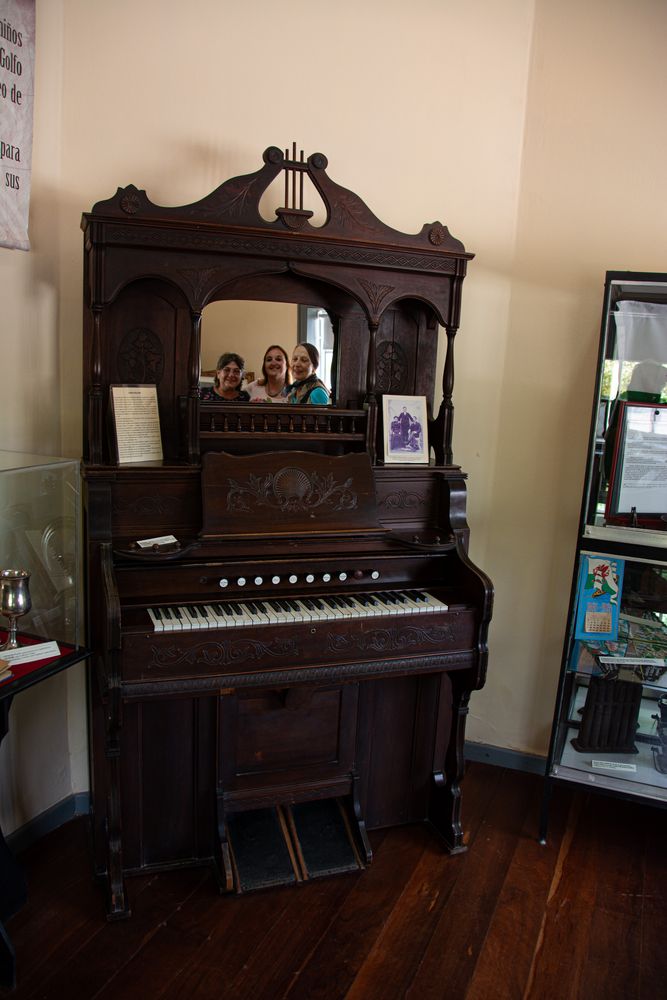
137 422
28 654
643 483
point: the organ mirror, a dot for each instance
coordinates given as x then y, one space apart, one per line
249 327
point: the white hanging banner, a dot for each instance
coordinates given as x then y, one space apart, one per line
17 79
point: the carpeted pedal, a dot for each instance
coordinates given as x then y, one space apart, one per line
322 838
259 850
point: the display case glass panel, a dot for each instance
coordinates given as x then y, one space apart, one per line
612 731
632 370
40 533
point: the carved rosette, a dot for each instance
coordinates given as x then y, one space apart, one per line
391 368
141 357
130 202
437 234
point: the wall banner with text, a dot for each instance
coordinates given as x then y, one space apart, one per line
17 79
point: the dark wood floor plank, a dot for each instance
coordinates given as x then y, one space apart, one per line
443 913
564 939
503 967
65 907
86 962
337 959
225 933
173 962
614 958
653 967
578 919
289 942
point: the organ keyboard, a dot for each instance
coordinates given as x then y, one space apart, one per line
227 614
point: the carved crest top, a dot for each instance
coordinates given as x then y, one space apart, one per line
235 204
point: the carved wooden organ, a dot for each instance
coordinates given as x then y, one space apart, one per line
296 669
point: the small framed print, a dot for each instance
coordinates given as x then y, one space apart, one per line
404 424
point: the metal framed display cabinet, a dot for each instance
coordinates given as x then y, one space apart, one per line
610 722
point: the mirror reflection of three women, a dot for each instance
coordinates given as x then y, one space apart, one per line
282 381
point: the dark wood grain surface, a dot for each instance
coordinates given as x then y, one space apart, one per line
582 917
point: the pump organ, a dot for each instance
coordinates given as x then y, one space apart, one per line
314 634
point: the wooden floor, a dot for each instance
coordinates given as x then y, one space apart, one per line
583 917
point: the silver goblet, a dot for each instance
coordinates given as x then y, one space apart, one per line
14 600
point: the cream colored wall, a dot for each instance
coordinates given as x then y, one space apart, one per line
43 760
592 199
246 328
497 118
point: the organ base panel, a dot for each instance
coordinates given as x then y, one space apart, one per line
292 668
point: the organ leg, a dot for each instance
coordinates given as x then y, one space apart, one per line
117 904
224 871
448 762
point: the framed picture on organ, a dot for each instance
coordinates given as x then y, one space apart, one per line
404 425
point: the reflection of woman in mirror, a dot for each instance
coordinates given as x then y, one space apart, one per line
307 387
227 382
275 382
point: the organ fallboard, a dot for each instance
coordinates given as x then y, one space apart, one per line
298 656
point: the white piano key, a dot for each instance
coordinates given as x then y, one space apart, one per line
408 605
174 622
191 615
257 614
432 603
309 614
158 624
227 619
357 610
217 620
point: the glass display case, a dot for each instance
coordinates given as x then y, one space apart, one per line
610 722
40 532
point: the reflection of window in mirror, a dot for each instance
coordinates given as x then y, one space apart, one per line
315 328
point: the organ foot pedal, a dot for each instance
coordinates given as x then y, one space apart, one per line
285 845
